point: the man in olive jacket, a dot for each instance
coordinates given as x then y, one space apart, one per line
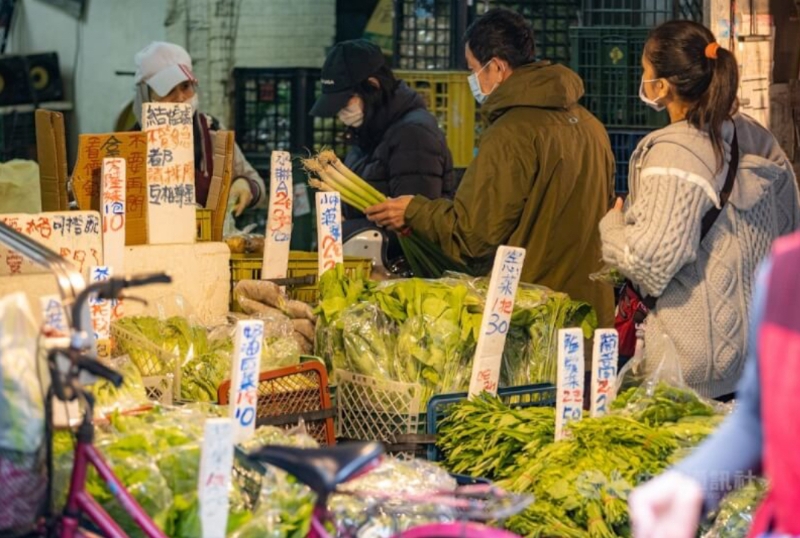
543 176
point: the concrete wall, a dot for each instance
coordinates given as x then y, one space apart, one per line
262 33
90 51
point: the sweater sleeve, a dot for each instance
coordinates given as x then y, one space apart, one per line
660 231
716 464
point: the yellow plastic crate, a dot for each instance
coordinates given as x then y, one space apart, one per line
449 98
301 264
203 224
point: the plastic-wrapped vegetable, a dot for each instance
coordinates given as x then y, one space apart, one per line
737 510
156 456
360 505
204 362
130 395
285 506
280 349
368 342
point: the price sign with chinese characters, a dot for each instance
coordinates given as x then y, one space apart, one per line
329 230
87 174
54 317
244 377
216 463
279 217
75 235
112 211
569 390
100 310
171 208
604 370
496 319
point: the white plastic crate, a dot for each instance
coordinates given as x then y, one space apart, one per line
159 388
370 409
160 370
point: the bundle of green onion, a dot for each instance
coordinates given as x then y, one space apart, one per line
328 173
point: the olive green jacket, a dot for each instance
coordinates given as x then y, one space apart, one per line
542 180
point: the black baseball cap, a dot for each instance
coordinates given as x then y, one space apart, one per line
348 64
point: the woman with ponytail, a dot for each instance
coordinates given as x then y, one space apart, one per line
708 194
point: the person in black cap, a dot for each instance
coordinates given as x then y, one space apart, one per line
396 144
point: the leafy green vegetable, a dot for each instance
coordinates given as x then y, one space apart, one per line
205 359
426 331
580 484
661 404
156 456
737 511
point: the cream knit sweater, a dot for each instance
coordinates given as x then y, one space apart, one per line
704 289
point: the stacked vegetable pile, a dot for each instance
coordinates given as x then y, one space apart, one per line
580 484
157 458
264 300
204 355
425 331
204 361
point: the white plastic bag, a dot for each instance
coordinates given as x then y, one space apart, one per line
21 400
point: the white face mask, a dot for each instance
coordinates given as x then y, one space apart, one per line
655 105
475 86
352 115
194 101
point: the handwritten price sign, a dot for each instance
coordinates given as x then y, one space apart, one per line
54 324
496 319
87 177
75 235
216 463
100 310
329 230
569 395
244 377
170 173
112 212
279 217
604 370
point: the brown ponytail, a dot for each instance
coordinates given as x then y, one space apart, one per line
703 75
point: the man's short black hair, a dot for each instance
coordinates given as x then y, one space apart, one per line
503 34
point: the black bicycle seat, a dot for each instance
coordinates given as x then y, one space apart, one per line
321 469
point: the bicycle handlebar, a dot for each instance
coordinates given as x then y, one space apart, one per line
111 289
99 369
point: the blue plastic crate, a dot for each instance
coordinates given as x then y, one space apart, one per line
623 144
541 395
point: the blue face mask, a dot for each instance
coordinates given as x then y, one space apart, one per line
475 86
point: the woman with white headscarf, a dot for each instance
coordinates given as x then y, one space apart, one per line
164 75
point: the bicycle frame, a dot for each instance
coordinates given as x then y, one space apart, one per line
451 529
80 501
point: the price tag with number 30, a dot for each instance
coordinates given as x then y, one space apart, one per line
496 319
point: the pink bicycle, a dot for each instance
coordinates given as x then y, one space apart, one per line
322 470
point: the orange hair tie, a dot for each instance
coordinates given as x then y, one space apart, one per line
711 50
